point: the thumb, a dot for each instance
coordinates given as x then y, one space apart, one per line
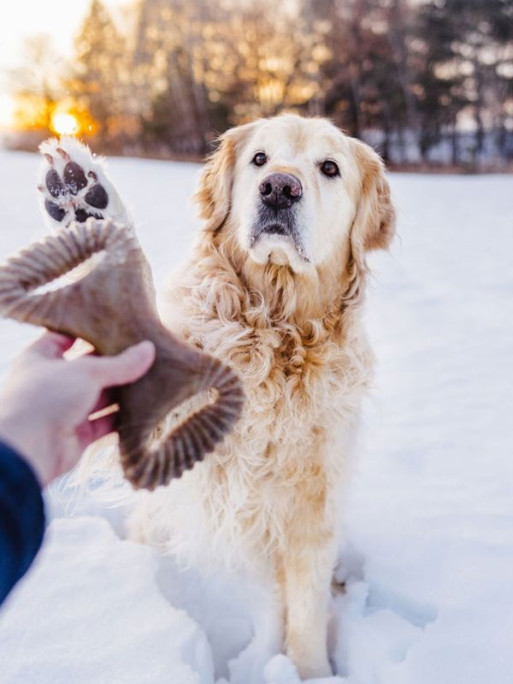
124 368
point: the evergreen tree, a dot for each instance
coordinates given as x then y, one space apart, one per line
100 75
467 45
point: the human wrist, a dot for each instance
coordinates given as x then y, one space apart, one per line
30 441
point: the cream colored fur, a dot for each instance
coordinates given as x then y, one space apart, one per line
269 499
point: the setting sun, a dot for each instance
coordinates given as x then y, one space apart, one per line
64 123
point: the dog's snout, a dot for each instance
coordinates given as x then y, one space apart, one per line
280 190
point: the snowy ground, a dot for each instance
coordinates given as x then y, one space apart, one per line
429 592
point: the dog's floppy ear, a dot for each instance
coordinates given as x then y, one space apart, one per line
215 188
374 225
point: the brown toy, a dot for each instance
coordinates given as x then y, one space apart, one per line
112 306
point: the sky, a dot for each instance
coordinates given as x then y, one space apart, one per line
59 19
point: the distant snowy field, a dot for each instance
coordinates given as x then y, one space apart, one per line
429 567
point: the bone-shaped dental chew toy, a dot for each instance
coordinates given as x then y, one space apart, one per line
113 306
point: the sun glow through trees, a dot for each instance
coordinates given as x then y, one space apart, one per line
64 123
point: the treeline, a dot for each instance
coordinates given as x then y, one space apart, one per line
424 81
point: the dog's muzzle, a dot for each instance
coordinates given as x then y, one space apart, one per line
279 197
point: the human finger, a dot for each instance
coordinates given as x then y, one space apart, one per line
124 368
101 427
104 401
91 430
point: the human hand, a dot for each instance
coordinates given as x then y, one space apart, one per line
46 402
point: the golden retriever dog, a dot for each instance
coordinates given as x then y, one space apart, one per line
274 287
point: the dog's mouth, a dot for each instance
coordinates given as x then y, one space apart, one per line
277 242
276 229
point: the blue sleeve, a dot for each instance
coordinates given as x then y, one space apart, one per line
22 519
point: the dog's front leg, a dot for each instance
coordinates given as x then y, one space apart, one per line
264 601
307 573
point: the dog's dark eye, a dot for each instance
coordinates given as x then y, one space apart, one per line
259 159
330 169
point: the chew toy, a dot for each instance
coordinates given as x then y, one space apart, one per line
111 304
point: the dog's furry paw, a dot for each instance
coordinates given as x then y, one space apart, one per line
74 185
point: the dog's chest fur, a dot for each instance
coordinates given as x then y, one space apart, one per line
303 384
289 449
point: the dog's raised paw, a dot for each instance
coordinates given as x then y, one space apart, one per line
74 186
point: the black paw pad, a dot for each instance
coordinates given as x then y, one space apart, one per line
97 197
54 184
56 212
81 215
74 177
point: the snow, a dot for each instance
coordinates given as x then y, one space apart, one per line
429 596
82 640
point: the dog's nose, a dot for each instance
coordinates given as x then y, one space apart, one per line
280 190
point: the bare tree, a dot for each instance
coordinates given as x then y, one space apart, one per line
36 84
